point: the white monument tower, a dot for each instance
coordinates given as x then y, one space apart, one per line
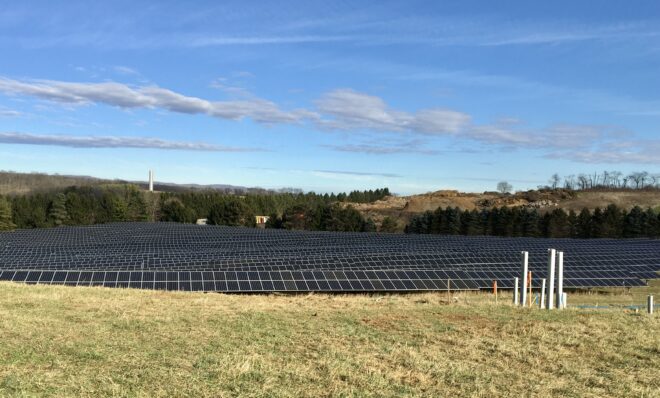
151 181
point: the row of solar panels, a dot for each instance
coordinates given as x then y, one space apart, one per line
138 233
276 281
645 271
74 253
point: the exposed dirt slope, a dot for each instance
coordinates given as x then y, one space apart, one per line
402 208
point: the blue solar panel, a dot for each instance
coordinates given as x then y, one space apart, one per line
186 257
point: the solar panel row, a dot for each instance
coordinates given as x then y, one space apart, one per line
204 258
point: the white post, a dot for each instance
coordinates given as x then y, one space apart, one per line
542 301
523 286
560 280
649 304
515 291
564 300
550 294
151 181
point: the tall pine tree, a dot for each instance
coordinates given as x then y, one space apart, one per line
6 223
57 213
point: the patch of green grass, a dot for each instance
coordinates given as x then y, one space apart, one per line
59 341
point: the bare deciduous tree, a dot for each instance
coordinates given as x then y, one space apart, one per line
504 187
554 181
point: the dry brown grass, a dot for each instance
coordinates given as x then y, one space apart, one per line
623 199
58 341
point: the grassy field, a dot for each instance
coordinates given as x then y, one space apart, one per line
58 341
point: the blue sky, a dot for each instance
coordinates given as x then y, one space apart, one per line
331 96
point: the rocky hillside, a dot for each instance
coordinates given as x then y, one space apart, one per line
401 208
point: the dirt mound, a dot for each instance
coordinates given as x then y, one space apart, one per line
401 208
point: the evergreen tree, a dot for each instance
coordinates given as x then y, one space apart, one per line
633 223
597 224
172 209
274 222
612 222
231 213
651 227
502 221
6 223
57 213
452 221
572 224
584 224
557 225
530 220
388 225
469 224
369 226
295 217
437 221
136 206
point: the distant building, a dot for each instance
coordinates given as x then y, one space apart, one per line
201 221
151 181
261 220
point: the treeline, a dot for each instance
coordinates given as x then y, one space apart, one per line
611 222
363 196
605 180
80 206
321 217
126 202
20 183
308 211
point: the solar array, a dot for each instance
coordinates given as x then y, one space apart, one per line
172 256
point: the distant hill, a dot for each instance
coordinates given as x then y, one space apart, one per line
402 208
13 183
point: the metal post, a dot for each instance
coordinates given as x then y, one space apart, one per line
560 280
542 301
550 293
524 258
448 291
495 289
515 292
649 304
529 289
564 300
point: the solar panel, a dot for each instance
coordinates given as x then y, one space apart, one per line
170 256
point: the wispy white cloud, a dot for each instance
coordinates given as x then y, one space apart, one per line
570 32
125 96
378 24
516 135
350 111
212 40
521 88
114 142
9 113
125 70
633 151
334 174
359 173
346 109
382 149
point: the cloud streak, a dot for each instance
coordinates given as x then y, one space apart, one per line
344 110
375 149
635 151
9 113
209 41
114 142
153 97
359 173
